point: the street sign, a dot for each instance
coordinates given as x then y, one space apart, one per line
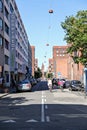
59 73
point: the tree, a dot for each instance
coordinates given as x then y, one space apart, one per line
49 75
76 36
38 73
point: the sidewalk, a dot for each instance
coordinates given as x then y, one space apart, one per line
70 97
6 92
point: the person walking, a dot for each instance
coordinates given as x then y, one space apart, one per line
50 84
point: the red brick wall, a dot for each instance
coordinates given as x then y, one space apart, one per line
60 61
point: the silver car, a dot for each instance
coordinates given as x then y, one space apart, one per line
24 85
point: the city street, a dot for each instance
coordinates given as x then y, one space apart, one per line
43 110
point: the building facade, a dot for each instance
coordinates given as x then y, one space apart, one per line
5 40
33 59
36 64
60 59
64 66
50 67
14 44
75 71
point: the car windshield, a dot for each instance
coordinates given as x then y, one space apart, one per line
76 82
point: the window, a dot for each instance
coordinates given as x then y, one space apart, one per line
1 24
1 6
6 13
11 8
7 1
1 40
6 44
6 29
6 60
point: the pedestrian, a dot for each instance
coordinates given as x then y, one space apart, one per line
50 84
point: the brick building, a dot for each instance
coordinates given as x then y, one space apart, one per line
64 66
75 70
60 59
33 59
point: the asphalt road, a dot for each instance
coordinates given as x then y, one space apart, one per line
43 110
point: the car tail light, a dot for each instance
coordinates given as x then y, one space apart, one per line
28 85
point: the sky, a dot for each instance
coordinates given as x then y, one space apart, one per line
45 28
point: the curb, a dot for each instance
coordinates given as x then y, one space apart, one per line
3 95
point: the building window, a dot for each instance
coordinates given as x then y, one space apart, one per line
6 60
6 44
6 29
57 51
1 24
7 1
1 6
6 13
11 8
1 40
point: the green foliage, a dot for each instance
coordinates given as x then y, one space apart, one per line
76 35
38 73
50 75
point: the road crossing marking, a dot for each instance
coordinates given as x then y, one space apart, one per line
32 120
7 121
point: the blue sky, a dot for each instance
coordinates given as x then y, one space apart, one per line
44 28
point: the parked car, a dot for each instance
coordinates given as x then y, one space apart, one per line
67 84
24 85
33 81
75 85
54 81
61 82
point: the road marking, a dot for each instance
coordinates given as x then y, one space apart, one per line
47 118
45 100
32 120
42 110
46 107
72 115
43 96
7 121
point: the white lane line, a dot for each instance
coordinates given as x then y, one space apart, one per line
42 110
46 107
47 118
43 96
